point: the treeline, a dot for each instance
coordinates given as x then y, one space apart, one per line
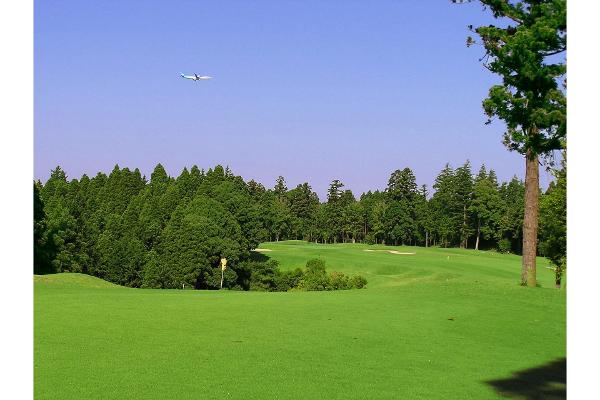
165 232
465 210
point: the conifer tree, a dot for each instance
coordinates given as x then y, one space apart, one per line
303 204
42 252
424 220
280 188
511 222
334 210
486 206
525 52
444 206
61 225
553 222
463 191
401 213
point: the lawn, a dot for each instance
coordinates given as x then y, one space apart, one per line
437 324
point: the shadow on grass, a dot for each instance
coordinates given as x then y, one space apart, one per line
546 382
256 256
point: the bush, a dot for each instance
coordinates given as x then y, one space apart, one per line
286 280
263 276
315 282
338 281
504 245
357 282
315 277
266 277
370 238
315 266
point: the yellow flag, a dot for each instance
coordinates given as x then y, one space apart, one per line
223 264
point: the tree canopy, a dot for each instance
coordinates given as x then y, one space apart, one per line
524 49
169 232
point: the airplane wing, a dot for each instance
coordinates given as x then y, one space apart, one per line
195 77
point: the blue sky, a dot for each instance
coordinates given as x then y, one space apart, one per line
311 90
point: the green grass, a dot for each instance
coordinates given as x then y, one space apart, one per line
392 340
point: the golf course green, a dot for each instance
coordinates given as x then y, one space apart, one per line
432 323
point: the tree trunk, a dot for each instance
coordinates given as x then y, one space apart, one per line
478 229
463 239
426 238
530 220
558 271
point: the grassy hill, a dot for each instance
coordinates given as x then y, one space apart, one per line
441 323
386 266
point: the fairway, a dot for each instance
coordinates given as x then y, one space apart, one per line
436 324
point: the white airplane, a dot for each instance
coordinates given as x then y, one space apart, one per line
195 77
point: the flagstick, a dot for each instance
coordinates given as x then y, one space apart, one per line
223 266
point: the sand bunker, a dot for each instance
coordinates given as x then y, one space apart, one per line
262 250
392 252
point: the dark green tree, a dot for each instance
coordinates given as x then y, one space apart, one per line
280 188
423 216
486 206
61 225
463 191
154 213
525 51
43 253
195 239
401 213
303 203
334 210
374 206
553 222
511 222
402 185
444 207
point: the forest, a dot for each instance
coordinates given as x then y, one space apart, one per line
169 232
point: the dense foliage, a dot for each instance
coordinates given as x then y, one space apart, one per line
553 222
526 49
169 232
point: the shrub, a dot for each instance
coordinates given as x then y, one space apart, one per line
339 281
315 266
370 238
504 245
315 277
315 282
263 276
266 276
357 282
286 280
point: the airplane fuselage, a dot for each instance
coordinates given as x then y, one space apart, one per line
196 77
